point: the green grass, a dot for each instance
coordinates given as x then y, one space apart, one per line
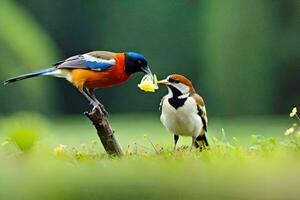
131 129
240 166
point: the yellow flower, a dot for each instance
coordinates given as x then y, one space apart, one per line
59 150
289 131
148 83
294 112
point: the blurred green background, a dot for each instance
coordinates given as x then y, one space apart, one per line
243 56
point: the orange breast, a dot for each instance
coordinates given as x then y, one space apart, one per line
102 79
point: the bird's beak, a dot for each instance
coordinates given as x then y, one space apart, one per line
165 82
146 70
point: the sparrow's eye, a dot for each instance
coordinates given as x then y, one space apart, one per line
171 80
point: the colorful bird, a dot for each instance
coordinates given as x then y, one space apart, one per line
93 70
183 111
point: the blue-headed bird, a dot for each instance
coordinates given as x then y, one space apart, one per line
93 70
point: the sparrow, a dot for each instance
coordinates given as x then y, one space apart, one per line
183 111
93 70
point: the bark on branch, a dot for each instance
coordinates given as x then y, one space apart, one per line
105 132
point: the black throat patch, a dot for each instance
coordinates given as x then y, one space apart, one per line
175 101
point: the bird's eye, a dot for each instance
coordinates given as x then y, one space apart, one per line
139 62
171 80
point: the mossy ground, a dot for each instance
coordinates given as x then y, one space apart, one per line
238 165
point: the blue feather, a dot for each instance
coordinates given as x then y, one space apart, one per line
30 75
97 65
136 55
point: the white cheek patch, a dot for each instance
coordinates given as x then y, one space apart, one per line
184 96
183 91
182 88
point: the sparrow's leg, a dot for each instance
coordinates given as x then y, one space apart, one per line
176 137
91 93
193 143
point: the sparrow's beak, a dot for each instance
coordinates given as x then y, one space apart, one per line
146 70
165 82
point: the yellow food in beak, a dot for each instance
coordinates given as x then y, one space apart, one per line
148 83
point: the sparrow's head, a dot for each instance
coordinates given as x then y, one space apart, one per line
135 62
178 85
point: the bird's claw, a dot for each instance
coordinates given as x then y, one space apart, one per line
101 108
174 150
96 107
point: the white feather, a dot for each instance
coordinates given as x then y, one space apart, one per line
185 90
90 58
60 73
183 121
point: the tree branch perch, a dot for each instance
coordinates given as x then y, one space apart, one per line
104 131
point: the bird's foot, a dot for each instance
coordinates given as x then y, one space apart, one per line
101 108
96 107
174 150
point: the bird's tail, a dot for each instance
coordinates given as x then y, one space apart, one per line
30 75
201 142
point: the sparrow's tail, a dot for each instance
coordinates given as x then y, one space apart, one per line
201 142
30 75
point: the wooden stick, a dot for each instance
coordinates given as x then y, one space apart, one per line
99 119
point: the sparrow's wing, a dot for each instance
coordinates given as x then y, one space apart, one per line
96 60
201 110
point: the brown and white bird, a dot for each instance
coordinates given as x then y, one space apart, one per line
183 111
